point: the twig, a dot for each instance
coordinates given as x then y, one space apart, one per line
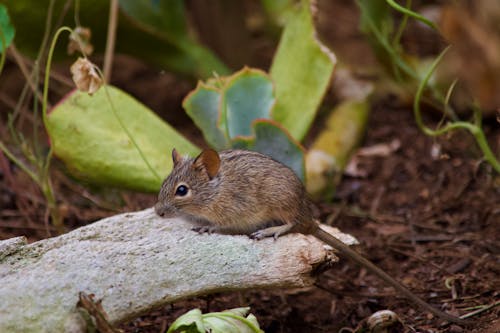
24 70
482 309
54 75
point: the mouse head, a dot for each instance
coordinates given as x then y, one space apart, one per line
190 185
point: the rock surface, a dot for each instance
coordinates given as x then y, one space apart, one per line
137 261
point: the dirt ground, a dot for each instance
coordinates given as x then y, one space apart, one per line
423 220
428 213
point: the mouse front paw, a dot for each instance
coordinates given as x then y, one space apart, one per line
205 229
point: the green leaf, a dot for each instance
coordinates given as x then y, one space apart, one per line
203 106
273 140
87 137
229 321
248 95
166 19
163 17
301 70
189 322
277 10
7 31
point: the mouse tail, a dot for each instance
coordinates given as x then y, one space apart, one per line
346 251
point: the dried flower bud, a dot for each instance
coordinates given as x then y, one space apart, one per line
79 40
85 76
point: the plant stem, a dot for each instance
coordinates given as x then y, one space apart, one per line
110 44
18 162
47 71
474 129
129 135
4 51
46 184
402 26
408 12
24 70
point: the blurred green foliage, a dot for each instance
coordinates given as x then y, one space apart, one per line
164 41
7 31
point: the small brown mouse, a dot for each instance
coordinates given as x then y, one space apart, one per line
245 192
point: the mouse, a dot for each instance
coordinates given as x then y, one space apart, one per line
245 192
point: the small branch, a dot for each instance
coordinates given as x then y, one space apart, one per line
24 70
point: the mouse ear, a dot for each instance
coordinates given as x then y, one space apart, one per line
208 160
176 157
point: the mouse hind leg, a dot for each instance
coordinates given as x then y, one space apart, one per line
274 232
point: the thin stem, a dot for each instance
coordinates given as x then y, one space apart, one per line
18 162
77 13
474 129
482 308
4 51
54 75
395 58
47 71
24 70
110 44
416 102
36 76
46 182
408 12
402 26
17 112
46 34
129 135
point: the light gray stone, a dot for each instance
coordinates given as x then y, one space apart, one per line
137 261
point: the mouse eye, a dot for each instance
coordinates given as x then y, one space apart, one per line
181 190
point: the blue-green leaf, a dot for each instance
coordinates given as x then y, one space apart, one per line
273 140
247 96
203 106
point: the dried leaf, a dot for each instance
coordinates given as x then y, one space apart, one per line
79 40
85 76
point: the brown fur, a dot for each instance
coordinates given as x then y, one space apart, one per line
240 193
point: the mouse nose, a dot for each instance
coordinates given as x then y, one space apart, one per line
163 209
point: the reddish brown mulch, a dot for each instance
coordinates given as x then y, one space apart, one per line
423 220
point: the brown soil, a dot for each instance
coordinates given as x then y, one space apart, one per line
423 220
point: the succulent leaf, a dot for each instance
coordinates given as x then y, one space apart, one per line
272 139
301 70
248 95
203 106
